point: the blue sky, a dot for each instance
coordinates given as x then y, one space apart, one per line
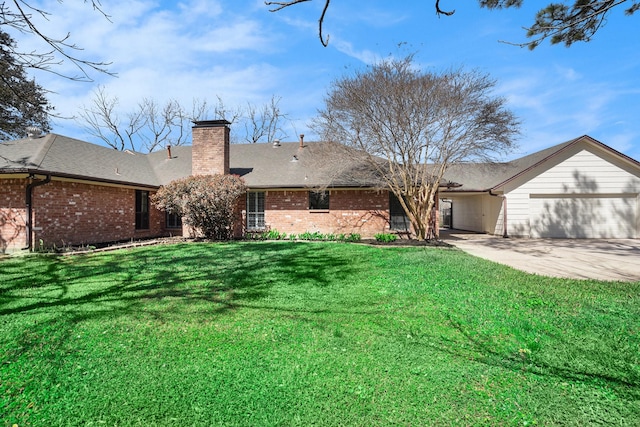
239 51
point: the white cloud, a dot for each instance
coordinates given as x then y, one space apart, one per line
622 141
180 53
365 56
568 73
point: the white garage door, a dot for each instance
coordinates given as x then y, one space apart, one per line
585 216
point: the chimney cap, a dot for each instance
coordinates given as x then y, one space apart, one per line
210 123
33 132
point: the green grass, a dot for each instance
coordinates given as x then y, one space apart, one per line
300 334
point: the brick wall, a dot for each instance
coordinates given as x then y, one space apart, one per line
71 213
13 215
210 148
350 211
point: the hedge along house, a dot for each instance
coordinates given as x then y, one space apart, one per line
578 189
57 191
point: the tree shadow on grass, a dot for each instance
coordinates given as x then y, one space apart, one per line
123 280
190 282
486 350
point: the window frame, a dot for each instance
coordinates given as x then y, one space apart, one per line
398 219
142 210
172 221
319 200
255 210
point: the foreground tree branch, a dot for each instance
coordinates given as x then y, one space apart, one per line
563 24
279 5
19 14
558 22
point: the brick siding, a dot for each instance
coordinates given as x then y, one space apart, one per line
13 215
350 211
72 213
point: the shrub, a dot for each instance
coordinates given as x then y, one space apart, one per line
274 235
386 237
205 202
254 235
353 237
307 235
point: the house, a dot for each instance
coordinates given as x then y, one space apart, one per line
577 189
57 191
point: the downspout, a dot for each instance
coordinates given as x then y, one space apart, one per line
504 212
29 199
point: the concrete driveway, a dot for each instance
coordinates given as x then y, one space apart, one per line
614 259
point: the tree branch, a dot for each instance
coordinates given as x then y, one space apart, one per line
557 21
564 25
442 12
279 5
20 18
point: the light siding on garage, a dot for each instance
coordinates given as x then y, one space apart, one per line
598 216
467 213
481 213
585 184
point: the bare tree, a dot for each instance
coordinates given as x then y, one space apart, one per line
151 126
148 127
231 114
164 124
102 120
558 22
408 126
263 124
19 14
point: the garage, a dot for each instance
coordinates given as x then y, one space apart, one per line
579 189
584 216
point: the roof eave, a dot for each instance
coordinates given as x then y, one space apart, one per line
78 177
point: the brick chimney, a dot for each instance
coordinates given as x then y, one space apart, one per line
210 147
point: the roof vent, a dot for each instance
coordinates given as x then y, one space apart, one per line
276 143
33 132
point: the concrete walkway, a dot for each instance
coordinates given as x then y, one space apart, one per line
610 259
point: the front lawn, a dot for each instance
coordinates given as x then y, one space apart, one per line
300 334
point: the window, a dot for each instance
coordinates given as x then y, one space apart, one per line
142 210
319 200
255 210
173 220
398 219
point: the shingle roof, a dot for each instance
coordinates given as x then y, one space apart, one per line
287 165
64 156
487 176
261 165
